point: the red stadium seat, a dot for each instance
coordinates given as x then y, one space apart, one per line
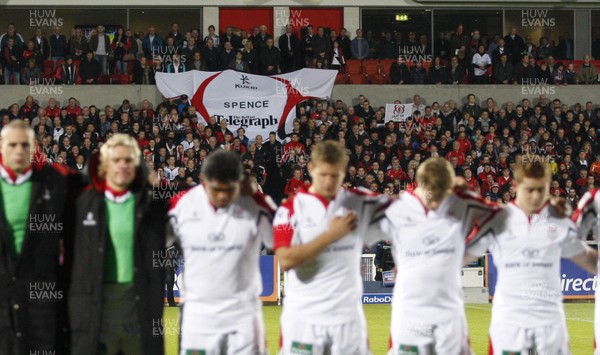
104 79
48 64
378 79
341 79
48 73
354 67
371 66
124 79
373 72
357 79
386 65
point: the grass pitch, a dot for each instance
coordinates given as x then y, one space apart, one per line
580 321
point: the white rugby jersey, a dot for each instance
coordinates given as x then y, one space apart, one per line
527 253
221 279
428 249
328 289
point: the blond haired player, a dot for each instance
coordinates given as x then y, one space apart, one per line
318 236
528 239
428 230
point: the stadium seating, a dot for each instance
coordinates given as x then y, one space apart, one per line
373 71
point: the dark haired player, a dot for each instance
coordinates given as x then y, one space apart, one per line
219 232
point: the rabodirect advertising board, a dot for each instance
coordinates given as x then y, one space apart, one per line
575 282
377 298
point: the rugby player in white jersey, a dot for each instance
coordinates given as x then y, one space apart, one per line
319 234
527 240
428 229
586 218
220 232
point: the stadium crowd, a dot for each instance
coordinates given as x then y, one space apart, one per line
134 57
481 138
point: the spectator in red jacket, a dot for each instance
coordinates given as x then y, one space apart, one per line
488 183
295 145
456 152
487 170
582 181
52 110
73 109
465 145
505 179
295 183
395 171
556 190
29 108
222 131
237 146
426 120
471 182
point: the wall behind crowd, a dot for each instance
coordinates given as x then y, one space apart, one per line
378 94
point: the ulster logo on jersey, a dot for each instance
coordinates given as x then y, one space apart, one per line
89 220
430 240
216 236
531 253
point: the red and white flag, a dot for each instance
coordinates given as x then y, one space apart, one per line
398 112
259 104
